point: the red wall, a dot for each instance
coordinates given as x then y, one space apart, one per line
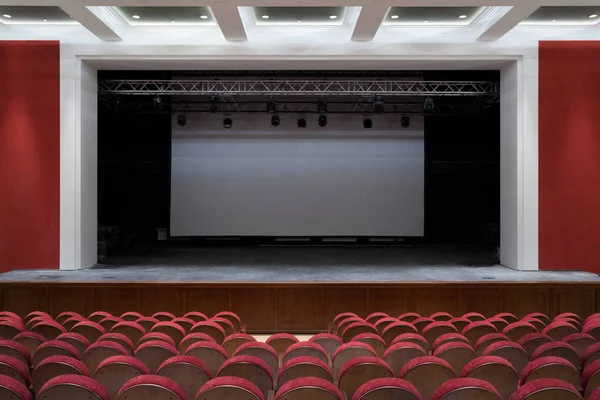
29 155
569 155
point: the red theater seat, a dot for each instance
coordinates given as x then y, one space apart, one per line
546 389
73 387
65 315
551 367
226 324
10 328
591 327
302 367
30 340
9 314
591 354
357 328
328 341
499 323
54 348
474 316
109 322
579 341
113 372
229 388
250 368
460 323
210 328
413 338
15 369
12 389
541 316
558 330
69 323
98 316
395 329
496 371
48 329
427 374
196 317
359 371
16 350
147 322
80 342
339 318
262 351
54 366
185 323
157 336
305 349
376 316
373 340
436 329
441 316
91 330
154 353
32 321
233 318
34 314
349 351
408 316
173 330
557 349
510 351
281 341
345 322
398 354
119 339
517 330
421 323
486 340
508 317
387 388
475 330
381 324
211 353
130 329
164 316
568 315
538 323
153 387
100 351
466 388
590 378
189 372
532 341
309 388
232 342
457 354
193 338
131 316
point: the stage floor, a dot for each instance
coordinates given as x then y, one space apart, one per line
185 264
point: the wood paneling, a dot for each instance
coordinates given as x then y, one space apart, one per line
301 307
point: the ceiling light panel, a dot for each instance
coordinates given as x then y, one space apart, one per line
589 15
431 15
299 15
34 15
167 15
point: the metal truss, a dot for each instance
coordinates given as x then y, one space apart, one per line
278 87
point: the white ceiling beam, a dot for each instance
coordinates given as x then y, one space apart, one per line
230 21
368 22
91 22
508 21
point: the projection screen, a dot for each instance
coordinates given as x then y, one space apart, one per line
259 180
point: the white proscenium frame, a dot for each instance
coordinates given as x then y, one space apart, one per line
519 120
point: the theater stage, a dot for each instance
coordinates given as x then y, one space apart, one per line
300 289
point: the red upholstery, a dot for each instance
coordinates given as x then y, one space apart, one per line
591 317
451 345
531 336
31 335
209 324
129 324
538 323
539 362
405 336
156 343
304 360
577 336
18 366
76 380
9 314
325 336
344 315
247 360
458 383
70 322
350 345
538 315
557 324
65 315
112 320
505 343
225 314
479 361
462 320
100 315
18 347
441 314
200 336
489 336
409 316
589 351
223 322
438 324
404 325
31 322
591 325
53 324
185 323
552 345
227 381
60 344
255 344
89 324
158 336
364 360
519 324
415 362
378 383
186 360
235 336
308 382
507 316
422 320
497 322
478 324
300 345
108 344
402 345
78 365
154 380
345 322
541 384
211 345
195 315
163 314
376 314
589 371
359 323
474 316
34 314
118 337
568 315
380 324
169 324
370 336
16 387
134 362
278 336
147 322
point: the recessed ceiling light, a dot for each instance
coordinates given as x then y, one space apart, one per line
204 17
333 17
7 16
265 17
45 19
299 21
395 16
426 21
462 16
593 16
173 21
135 16
553 20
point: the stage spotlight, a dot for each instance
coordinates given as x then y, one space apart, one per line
157 102
301 123
321 107
379 105
367 123
405 121
322 121
429 106
214 106
271 107
275 120
227 123
181 120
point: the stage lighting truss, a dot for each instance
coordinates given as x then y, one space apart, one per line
299 87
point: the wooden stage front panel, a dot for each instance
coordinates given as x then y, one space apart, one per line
301 307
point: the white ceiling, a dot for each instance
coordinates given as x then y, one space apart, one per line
189 22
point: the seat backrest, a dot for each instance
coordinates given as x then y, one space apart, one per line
224 323
301 349
100 351
154 353
232 342
185 323
427 373
386 388
558 349
230 388
302 367
373 340
13 389
382 323
591 354
344 323
189 372
147 322
16 350
192 338
15 369
436 329
510 351
131 316
328 341
73 387
54 348
98 316
309 388
474 316
441 316
486 340
212 354
157 336
466 388
508 317
171 329
281 341
421 323
108 322
233 318
251 368
395 329
517 330
357 328
210 328
113 372
376 316
457 354
153 387
80 342
460 323
499 323
538 315
71 322
580 341
408 316
448 337
130 329
558 330
30 340
397 355
196 316
475 330
262 351
551 367
495 370
54 366
532 341
164 316
347 352
119 339
48 329
359 371
546 389
413 338
590 378
91 330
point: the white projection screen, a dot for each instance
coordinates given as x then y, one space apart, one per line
259 180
